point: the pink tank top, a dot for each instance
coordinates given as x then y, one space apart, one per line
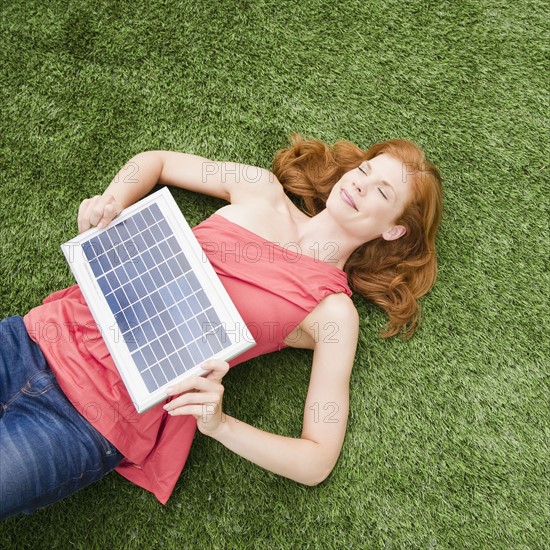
273 287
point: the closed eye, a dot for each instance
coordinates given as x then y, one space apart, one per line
379 189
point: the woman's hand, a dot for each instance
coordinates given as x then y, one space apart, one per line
97 211
201 396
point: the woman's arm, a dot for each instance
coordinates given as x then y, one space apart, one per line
192 172
224 180
202 397
333 324
289 457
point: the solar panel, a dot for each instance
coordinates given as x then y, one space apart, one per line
157 301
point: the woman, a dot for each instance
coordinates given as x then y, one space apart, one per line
369 225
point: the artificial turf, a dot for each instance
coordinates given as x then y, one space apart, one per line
447 441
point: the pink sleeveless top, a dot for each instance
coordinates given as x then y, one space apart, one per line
273 288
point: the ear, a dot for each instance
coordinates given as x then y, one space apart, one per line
394 233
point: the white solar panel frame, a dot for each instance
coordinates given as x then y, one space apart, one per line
236 330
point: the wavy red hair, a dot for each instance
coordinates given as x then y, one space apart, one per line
391 274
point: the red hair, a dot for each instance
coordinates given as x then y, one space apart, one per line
391 274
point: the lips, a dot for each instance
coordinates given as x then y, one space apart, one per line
346 197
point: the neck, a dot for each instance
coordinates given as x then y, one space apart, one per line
323 236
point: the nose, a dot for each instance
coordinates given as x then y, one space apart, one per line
360 187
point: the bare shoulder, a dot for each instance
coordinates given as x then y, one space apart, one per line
335 317
253 183
335 307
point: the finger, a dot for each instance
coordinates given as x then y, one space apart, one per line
88 207
111 210
96 211
195 382
82 221
193 399
108 214
91 205
205 411
217 369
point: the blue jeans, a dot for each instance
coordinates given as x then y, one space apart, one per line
47 449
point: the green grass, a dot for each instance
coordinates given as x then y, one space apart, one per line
447 442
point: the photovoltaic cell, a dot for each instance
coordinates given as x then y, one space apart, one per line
162 312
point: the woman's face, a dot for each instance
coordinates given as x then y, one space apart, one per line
368 200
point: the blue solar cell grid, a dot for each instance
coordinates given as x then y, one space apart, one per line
165 317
